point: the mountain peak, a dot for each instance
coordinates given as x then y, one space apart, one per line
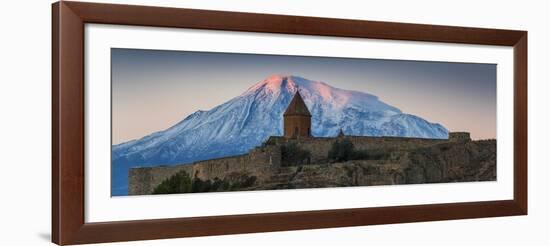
281 77
276 82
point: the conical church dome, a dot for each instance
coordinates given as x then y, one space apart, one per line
297 118
297 106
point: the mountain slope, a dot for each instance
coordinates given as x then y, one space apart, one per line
246 121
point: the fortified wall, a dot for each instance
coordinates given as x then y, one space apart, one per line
143 180
266 159
320 146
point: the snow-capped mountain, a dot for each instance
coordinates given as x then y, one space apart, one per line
246 121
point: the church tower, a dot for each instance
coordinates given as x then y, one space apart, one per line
297 119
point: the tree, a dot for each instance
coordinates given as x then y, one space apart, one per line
201 186
342 150
178 183
181 182
292 155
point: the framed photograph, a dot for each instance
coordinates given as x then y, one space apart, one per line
174 122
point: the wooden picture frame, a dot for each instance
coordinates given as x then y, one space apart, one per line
68 110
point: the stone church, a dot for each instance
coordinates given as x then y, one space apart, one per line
297 118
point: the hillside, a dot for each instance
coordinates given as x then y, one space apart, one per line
438 163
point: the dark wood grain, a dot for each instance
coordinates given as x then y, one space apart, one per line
55 122
236 21
68 117
520 122
218 225
68 19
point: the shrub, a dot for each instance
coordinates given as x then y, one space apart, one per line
292 155
182 183
342 150
249 181
361 155
201 186
218 184
178 183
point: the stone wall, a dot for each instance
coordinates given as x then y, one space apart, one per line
263 160
320 146
144 180
267 155
459 136
445 162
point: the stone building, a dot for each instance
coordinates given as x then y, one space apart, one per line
297 118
